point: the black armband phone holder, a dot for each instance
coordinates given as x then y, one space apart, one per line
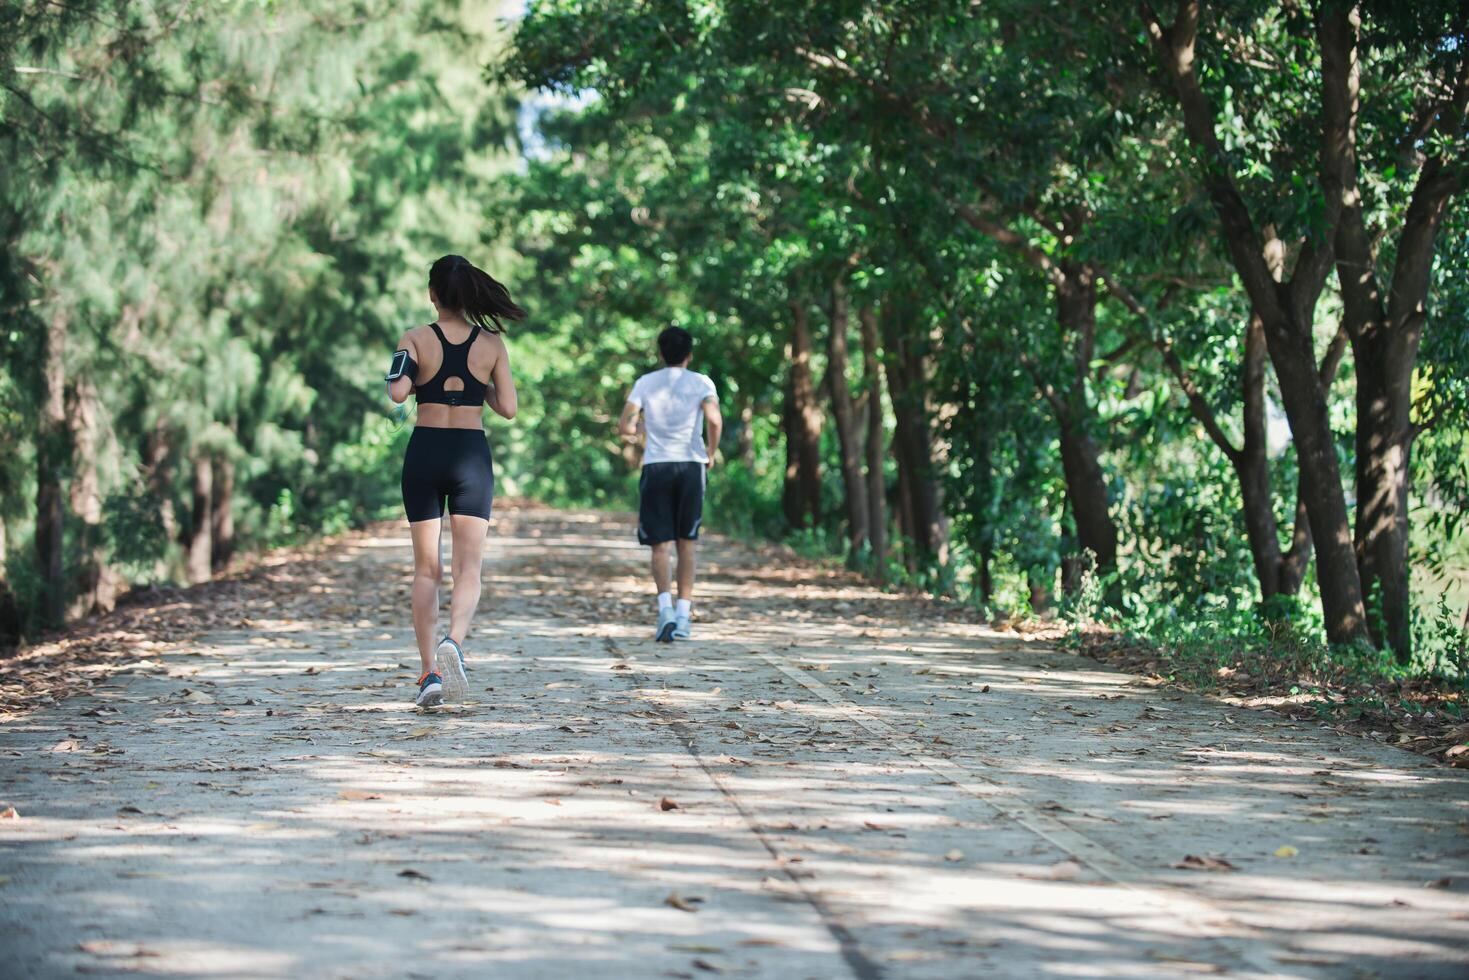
403 364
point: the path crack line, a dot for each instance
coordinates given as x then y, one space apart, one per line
861 965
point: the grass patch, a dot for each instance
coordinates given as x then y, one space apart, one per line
1273 664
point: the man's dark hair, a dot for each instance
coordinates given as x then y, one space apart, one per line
675 344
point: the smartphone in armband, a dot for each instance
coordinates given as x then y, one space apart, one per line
401 360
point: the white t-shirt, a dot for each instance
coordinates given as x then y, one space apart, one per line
673 416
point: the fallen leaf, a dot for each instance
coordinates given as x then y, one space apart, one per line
411 873
1285 851
9 814
1193 862
954 855
360 794
666 804
677 901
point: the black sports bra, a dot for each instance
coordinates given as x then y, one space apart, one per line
456 365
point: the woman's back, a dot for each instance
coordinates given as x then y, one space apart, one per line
486 350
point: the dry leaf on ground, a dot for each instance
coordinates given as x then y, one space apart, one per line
677 901
1195 862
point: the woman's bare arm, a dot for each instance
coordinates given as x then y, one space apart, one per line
399 390
502 397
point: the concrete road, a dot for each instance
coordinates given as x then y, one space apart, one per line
826 782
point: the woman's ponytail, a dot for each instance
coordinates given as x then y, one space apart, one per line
459 285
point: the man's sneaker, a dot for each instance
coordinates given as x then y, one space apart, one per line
430 690
667 623
682 626
450 657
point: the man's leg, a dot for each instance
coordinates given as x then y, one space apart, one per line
687 548
662 561
690 516
657 529
662 558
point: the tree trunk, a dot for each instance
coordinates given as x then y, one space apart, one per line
1039 588
803 420
907 534
746 442
199 548
1086 484
52 451
157 451
985 548
1086 491
1306 407
96 585
9 608
1384 444
844 415
1277 573
929 500
913 443
222 516
1287 310
876 481
1252 467
1385 335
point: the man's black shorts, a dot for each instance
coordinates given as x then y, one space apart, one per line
670 502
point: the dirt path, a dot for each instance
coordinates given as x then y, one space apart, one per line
829 782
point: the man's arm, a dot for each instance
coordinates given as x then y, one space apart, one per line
630 426
714 426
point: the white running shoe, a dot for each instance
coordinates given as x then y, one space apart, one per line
450 661
430 690
667 623
682 626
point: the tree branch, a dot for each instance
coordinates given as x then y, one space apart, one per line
1011 239
1197 403
1331 362
1174 50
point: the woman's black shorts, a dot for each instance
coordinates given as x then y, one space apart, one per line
452 463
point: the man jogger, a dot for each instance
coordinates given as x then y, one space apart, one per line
676 405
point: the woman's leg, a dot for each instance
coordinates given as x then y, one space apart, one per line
469 550
428 569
